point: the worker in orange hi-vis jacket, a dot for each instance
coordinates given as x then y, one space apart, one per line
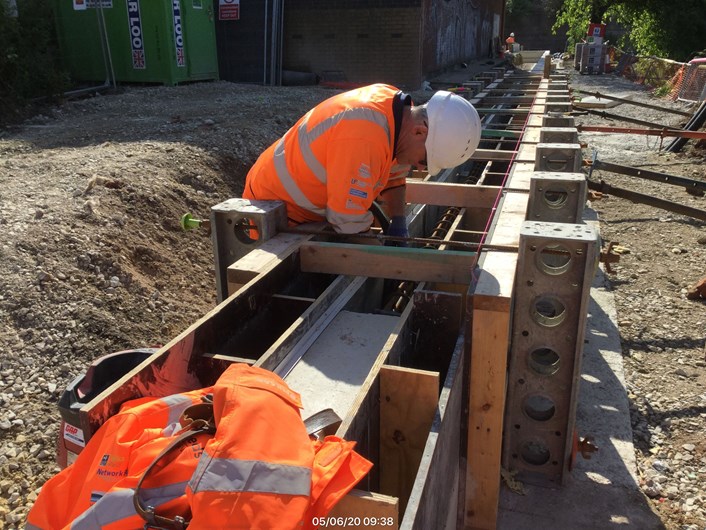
510 41
359 146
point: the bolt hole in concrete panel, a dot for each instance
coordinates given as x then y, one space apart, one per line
535 453
538 407
544 361
245 230
554 260
555 198
548 311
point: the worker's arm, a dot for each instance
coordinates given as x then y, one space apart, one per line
392 198
393 202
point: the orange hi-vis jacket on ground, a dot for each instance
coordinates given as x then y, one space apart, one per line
273 477
259 471
335 160
96 490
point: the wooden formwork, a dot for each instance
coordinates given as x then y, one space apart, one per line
428 407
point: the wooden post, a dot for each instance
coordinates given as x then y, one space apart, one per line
547 65
490 336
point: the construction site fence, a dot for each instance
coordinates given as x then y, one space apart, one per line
683 81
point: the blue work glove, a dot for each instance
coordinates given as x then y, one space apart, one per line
397 228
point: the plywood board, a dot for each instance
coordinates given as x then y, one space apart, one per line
408 401
434 499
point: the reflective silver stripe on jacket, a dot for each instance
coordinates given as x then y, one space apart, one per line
177 404
289 185
118 505
250 476
348 223
305 139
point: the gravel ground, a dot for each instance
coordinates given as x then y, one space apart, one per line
662 330
94 261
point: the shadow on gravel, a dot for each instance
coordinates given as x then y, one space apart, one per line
648 346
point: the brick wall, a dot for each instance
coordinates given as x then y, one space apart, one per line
401 42
359 42
457 31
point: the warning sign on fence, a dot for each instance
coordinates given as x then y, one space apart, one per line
228 9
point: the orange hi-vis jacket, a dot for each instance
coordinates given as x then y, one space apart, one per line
259 471
96 490
334 161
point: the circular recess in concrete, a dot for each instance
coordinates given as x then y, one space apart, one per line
555 198
548 311
544 361
554 259
245 230
539 407
534 452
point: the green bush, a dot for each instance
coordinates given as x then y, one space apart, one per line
30 64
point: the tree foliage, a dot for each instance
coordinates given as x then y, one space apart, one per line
673 30
29 61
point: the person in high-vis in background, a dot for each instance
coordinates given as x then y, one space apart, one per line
510 41
357 147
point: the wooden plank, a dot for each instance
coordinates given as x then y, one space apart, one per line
447 194
521 175
535 120
492 154
531 135
361 507
414 264
408 401
228 358
489 345
496 281
508 100
526 153
512 213
490 339
262 259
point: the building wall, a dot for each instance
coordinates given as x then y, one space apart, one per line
364 41
401 42
457 31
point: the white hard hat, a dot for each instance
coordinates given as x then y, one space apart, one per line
454 131
512 34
